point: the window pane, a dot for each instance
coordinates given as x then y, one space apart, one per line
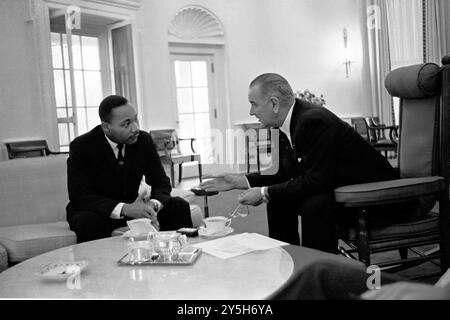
91 60
79 88
93 83
183 73
56 50
92 117
199 74
81 120
61 112
65 52
186 125
71 132
201 103
202 126
76 52
59 88
68 90
63 133
184 100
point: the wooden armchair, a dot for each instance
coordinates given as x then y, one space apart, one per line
424 92
375 134
168 146
29 148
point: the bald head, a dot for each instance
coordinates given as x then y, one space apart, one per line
272 84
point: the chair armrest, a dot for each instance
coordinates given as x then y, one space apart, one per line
392 191
393 131
56 152
192 142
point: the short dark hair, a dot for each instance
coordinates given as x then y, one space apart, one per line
109 103
274 84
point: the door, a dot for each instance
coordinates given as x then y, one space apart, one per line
195 102
122 61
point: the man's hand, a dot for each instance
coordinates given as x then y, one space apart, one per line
251 197
224 182
407 291
140 209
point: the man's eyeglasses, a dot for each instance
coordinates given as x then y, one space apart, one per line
240 211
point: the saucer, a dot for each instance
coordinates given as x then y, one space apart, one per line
62 270
204 233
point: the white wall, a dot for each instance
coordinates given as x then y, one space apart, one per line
302 40
21 113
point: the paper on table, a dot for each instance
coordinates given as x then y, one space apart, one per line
239 244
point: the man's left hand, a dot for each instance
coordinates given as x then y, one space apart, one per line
251 197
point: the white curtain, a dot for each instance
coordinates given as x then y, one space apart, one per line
436 42
376 64
405 25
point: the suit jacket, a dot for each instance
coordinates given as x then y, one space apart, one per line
95 180
327 153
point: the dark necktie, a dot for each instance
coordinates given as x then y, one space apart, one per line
120 158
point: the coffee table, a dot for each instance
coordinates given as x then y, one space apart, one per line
256 275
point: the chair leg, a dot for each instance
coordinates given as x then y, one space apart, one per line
200 171
180 172
403 253
363 245
172 174
247 153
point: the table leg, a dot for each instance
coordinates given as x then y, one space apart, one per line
206 207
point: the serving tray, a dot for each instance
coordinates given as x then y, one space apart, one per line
186 256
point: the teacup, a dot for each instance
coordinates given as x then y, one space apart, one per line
140 251
168 243
216 224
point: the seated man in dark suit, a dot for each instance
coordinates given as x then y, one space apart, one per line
105 168
333 280
318 152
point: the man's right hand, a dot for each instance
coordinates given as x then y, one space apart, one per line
139 209
224 182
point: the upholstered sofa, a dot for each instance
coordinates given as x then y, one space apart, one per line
33 197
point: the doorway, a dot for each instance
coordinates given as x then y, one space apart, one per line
195 96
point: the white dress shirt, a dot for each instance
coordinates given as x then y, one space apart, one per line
115 214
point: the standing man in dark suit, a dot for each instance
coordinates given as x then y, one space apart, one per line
318 152
105 168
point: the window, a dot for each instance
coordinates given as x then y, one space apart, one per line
193 95
87 85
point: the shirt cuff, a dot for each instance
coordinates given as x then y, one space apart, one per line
115 214
157 204
264 194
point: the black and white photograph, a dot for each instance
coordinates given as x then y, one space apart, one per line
224 158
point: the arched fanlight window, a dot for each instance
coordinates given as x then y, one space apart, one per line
195 24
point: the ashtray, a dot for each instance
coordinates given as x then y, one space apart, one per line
62 270
186 256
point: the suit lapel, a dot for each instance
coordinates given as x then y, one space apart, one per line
105 149
294 122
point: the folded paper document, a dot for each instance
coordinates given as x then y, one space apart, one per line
239 244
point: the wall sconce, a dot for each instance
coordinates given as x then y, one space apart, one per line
347 61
